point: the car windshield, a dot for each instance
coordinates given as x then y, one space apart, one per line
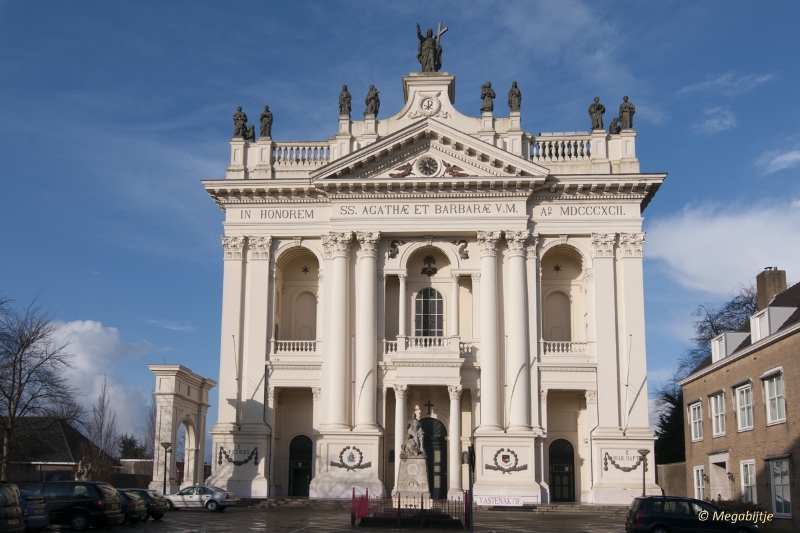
132 495
9 495
154 494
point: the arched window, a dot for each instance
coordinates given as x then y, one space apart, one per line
429 316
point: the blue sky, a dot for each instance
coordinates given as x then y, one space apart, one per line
112 113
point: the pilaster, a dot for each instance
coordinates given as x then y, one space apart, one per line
490 364
233 277
455 488
257 329
400 396
366 333
532 285
517 357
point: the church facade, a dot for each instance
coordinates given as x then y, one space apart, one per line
454 269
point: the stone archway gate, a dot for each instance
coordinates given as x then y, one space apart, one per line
181 398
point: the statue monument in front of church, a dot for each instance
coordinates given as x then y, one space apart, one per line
412 478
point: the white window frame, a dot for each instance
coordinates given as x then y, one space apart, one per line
782 489
747 469
744 411
699 483
696 422
774 397
717 402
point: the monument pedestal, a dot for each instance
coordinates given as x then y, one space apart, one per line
412 479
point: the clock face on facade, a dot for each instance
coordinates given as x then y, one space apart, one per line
428 166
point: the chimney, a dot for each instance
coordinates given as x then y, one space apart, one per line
769 284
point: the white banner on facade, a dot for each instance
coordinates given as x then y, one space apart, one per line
507 501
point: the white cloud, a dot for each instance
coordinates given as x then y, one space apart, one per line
774 161
184 326
715 120
714 248
98 349
729 84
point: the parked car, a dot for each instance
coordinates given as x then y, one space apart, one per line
156 503
208 496
79 504
34 509
11 516
134 509
668 514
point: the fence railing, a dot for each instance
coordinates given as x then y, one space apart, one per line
409 511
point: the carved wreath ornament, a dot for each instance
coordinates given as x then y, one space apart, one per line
429 106
349 461
607 458
509 460
238 462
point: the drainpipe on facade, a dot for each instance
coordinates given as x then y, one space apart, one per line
591 469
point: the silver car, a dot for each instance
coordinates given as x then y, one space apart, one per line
198 496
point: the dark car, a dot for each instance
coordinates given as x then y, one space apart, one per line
156 503
79 504
133 508
667 514
11 517
34 508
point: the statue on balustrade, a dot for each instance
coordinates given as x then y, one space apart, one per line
487 94
373 101
430 49
266 123
596 111
240 127
514 98
614 127
344 102
626 111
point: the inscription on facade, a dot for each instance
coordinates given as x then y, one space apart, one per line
276 214
456 208
580 211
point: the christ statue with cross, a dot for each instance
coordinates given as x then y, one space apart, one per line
430 49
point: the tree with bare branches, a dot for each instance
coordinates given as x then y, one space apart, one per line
33 387
147 439
101 429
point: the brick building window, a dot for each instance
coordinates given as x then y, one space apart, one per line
776 407
699 483
744 403
781 499
696 420
749 481
718 414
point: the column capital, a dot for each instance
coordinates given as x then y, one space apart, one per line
455 391
271 394
454 277
543 396
369 242
591 396
476 278
487 240
402 277
259 246
532 246
400 392
516 241
316 392
631 244
603 244
337 244
232 247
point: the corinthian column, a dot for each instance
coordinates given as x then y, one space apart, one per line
631 279
233 273
257 329
489 352
519 418
454 441
605 316
338 245
366 332
400 395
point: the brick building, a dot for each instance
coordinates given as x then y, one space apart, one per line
742 432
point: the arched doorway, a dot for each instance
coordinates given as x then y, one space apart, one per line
562 471
435 445
300 450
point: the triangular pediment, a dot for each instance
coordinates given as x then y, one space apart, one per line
429 150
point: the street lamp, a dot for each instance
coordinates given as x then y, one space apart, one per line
166 446
644 453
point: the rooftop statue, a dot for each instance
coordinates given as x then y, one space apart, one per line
596 111
626 111
373 101
514 97
344 101
487 93
430 49
240 127
266 123
614 127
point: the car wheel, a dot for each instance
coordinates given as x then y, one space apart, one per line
79 522
170 505
121 521
212 505
146 518
659 529
158 516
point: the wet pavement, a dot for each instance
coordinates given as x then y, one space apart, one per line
309 520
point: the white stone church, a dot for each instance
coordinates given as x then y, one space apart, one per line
458 269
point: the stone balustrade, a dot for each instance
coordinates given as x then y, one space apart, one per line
563 347
294 347
306 155
560 149
389 346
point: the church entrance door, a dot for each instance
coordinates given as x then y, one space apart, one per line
300 450
562 471
435 445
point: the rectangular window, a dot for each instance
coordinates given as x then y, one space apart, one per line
718 414
781 499
699 483
776 407
696 419
749 481
744 404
